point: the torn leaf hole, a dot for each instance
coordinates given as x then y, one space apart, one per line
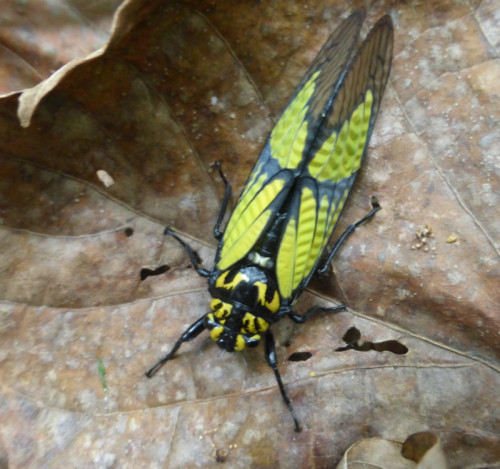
352 339
145 273
300 356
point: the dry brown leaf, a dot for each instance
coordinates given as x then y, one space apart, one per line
386 454
178 86
424 448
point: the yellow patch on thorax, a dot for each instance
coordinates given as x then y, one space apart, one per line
272 305
238 278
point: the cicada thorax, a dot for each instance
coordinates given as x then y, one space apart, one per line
245 300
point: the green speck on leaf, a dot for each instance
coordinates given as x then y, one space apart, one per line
102 373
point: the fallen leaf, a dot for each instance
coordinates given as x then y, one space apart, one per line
177 87
419 451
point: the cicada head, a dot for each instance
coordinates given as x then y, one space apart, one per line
232 328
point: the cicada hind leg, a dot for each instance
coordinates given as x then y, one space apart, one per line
273 363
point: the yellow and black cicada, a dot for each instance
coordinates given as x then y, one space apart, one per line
278 234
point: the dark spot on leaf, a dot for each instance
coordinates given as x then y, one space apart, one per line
375 202
129 232
220 455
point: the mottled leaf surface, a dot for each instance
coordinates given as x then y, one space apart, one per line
172 88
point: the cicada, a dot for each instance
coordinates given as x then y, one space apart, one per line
278 235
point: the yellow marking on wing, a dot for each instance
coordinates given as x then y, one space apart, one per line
303 243
249 226
237 251
333 216
252 179
340 155
288 137
365 124
319 234
272 305
246 198
322 156
284 268
305 235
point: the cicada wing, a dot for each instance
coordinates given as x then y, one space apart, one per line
332 161
286 150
